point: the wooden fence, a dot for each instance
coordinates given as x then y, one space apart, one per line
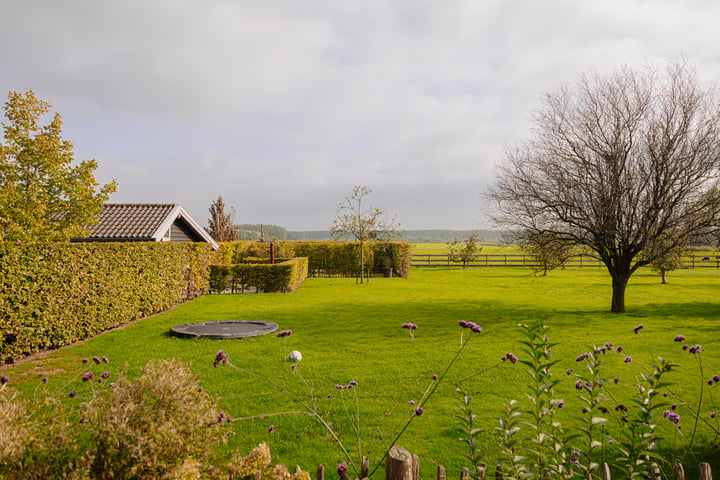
520 260
401 465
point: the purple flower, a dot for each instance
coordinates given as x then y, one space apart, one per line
353 383
619 349
411 402
588 385
568 371
200 389
694 349
271 429
511 357
221 358
293 367
561 404
45 379
627 359
578 385
348 386
671 416
434 377
329 395
575 461
284 333
339 387
88 376
611 441
685 347
616 380
97 360
673 406
72 394
105 374
418 411
105 359
112 385
713 414
85 361
638 328
471 325
582 357
341 469
409 326
476 329
679 338
503 358
83 420
716 378
4 380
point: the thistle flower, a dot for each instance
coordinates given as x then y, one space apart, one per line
85 361
88 376
694 349
105 359
434 377
341 469
578 385
671 416
353 383
97 360
679 338
638 328
339 387
105 374
582 357
568 371
627 359
561 404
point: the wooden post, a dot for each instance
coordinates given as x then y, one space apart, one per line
704 471
679 471
441 473
398 464
364 467
415 467
499 472
464 474
483 469
320 472
606 471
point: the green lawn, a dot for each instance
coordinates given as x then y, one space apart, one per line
353 332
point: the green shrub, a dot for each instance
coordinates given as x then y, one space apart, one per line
53 294
285 276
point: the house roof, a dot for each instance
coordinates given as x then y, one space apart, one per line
137 222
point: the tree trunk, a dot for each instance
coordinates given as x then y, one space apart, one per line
664 280
619 282
362 261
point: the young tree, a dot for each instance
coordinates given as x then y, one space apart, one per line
43 196
549 250
354 220
464 250
220 224
616 165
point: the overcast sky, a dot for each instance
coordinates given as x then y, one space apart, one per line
282 107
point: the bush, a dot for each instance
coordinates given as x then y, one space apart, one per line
285 276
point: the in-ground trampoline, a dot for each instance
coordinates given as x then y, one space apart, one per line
224 329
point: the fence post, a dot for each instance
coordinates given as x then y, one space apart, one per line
320 472
398 464
679 471
704 471
606 471
441 473
464 473
364 467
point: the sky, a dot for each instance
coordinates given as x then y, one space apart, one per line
282 106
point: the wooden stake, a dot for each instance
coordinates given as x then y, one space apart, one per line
441 473
606 471
704 471
499 472
364 467
321 472
679 471
464 474
483 469
398 464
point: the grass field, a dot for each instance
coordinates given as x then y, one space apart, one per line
348 332
442 248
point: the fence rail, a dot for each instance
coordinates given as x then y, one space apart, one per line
402 465
520 260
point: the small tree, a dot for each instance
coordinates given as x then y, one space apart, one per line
668 261
354 220
464 250
220 224
42 194
547 248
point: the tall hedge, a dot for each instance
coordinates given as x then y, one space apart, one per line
53 294
343 258
284 276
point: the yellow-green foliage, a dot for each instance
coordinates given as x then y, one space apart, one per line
284 276
53 294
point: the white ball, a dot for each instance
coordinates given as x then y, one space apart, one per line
295 356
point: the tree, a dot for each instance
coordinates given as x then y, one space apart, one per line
354 220
668 261
43 196
620 165
549 250
220 224
463 250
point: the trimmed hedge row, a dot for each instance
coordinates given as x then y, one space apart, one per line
284 276
53 294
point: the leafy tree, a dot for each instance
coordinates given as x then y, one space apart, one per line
354 220
464 250
668 261
42 194
548 249
617 165
220 224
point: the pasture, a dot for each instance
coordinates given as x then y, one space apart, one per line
348 332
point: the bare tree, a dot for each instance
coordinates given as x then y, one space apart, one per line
549 250
220 224
354 220
621 165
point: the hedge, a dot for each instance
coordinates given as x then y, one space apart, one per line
284 276
343 258
53 294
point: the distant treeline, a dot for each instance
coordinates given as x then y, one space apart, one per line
252 232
